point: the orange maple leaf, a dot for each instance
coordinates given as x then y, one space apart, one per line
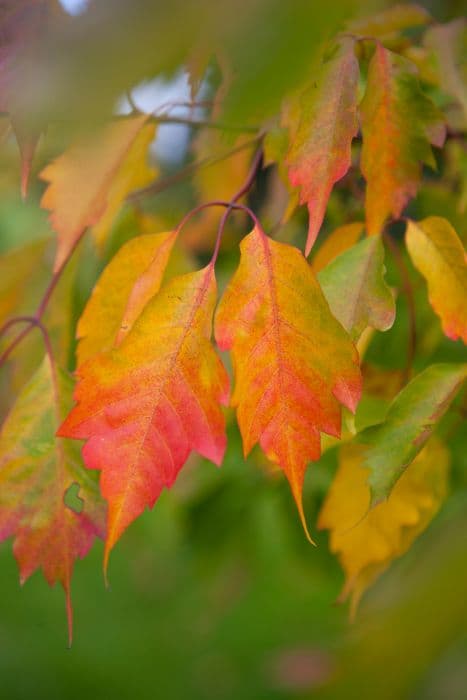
293 361
144 406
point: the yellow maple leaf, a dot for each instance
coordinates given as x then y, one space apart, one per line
367 541
89 182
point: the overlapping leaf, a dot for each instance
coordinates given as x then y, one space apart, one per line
146 405
132 277
89 182
393 444
354 286
293 361
367 541
342 238
319 153
398 124
36 471
448 42
438 254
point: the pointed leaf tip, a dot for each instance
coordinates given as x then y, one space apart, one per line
144 406
293 362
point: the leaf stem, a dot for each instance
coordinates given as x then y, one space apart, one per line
35 320
161 185
244 189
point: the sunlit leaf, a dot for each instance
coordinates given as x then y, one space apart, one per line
146 405
367 541
294 364
438 254
128 282
90 180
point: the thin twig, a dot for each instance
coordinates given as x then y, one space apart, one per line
161 185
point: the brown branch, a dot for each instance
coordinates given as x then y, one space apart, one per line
160 185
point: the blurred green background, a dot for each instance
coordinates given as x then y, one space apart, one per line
216 593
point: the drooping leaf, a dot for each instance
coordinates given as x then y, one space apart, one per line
398 125
354 286
90 180
133 173
340 239
438 254
393 444
144 406
319 153
448 42
128 282
293 361
36 471
367 541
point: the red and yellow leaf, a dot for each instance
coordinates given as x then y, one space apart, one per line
128 282
438 254
293 362
319 154
36 471
89 182
399 124
144 406
367 541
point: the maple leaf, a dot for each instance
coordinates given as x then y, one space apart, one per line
36 471
367 541
293 361
398 125
319 153
392 445
340 239
438 254
89 182
354 286
133 276
144 406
